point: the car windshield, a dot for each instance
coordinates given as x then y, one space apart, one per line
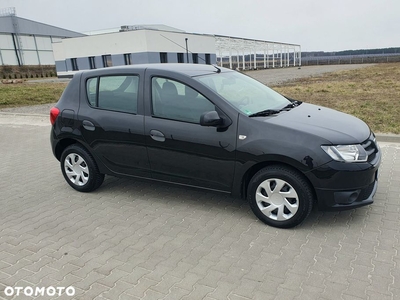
243 92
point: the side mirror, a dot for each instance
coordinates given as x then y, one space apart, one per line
210 118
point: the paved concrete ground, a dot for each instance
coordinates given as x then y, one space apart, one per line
135 239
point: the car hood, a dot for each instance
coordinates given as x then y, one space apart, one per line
331 125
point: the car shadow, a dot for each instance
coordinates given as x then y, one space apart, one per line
174 195
130 189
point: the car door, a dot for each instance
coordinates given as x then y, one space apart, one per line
112 122
179 148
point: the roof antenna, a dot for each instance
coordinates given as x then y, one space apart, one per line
218 69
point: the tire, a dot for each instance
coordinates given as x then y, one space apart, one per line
280 196
80 170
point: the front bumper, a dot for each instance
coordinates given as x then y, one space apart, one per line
342 186
333 200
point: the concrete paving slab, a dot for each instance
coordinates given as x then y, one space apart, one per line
136 239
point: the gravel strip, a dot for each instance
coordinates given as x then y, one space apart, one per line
42 109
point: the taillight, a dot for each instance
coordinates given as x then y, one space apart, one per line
54 112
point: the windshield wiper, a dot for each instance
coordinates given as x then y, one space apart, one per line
268 112
292 104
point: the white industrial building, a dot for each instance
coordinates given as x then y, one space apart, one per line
133 45
26 42
164 44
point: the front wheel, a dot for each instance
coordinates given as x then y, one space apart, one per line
80 170
280 196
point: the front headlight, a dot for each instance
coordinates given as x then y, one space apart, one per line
346 153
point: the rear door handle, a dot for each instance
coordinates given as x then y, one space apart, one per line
88 125
157 135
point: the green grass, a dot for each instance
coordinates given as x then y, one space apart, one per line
371 94
23 94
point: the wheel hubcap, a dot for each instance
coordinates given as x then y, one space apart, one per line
76 169
277 199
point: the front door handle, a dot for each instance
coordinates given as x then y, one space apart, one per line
157 135
88 125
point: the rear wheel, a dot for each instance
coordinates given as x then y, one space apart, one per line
280 196
80 170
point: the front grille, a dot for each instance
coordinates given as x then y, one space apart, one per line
370 147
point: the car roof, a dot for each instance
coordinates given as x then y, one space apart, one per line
182 68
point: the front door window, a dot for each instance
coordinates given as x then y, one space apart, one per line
176 101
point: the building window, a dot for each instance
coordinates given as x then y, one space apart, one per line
180 58
74 64
195 58
163 57
128 59
92 62
208 59
107 62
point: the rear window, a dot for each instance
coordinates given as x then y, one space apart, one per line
116 93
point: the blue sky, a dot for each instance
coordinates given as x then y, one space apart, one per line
316 25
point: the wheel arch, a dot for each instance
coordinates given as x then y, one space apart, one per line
248 175
62 145
66 142
81 172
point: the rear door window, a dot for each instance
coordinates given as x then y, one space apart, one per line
116 93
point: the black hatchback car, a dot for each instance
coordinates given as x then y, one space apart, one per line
213 128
